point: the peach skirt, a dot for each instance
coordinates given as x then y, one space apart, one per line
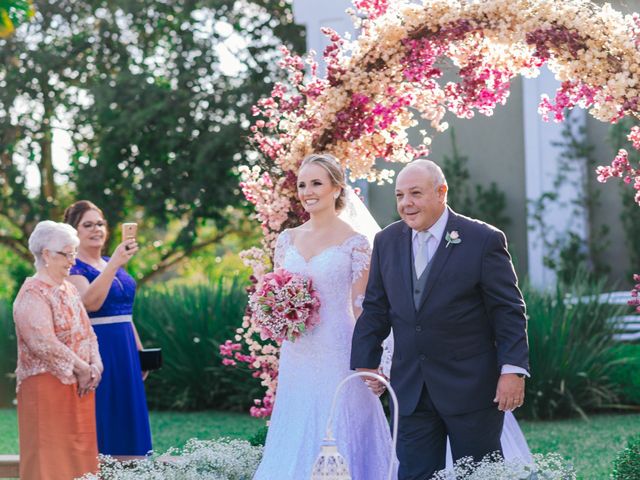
57 430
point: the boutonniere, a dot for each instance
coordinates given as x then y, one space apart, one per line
452 237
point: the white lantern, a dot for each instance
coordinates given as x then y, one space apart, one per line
330 465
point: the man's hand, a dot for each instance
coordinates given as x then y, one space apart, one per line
510 392
374 385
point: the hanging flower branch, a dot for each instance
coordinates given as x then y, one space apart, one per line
378 87
622 168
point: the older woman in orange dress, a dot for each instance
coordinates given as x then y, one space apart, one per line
59 364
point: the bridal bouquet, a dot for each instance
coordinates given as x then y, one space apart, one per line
284 306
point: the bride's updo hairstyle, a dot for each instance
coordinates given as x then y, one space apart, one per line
336 173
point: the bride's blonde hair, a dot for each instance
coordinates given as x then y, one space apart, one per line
335 170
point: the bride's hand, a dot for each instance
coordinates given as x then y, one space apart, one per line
376 386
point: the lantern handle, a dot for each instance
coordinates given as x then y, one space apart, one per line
385 382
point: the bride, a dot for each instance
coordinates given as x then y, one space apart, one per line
336 258
335 254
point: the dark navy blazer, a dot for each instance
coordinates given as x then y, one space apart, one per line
471 320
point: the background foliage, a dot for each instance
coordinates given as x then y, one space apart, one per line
12 13
627 465
572 353
189 323
625 372
8 354
576 367
156 98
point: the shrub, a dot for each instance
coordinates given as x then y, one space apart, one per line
8 355
625 372
188 323
260 438
13 271
571 352
221 459
494 467
627 465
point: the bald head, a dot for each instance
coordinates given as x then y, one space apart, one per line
428 167
421 194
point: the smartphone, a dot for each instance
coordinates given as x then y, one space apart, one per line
129 230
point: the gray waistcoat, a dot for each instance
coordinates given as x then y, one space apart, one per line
419 284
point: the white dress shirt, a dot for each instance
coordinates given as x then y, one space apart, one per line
437 232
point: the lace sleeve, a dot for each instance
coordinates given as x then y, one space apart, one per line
360 258
281 248
96 359
387 356
34 323
84 318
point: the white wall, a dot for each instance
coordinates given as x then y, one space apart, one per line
315 15
541 169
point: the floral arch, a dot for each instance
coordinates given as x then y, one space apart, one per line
377 86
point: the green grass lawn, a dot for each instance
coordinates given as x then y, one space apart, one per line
591 446
8 431
173 429
169 429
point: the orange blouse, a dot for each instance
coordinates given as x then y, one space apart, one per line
53 330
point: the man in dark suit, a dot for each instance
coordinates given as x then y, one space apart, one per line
446 286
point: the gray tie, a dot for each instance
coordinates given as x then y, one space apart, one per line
422 252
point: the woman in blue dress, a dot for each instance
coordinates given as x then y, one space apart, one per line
108 292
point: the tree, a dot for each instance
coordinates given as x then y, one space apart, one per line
158 119
38 66
12 13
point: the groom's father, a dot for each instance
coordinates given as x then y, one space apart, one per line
446 285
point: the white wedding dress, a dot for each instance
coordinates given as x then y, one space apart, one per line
311 368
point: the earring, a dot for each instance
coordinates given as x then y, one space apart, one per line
336 195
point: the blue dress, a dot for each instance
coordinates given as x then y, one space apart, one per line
121 405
